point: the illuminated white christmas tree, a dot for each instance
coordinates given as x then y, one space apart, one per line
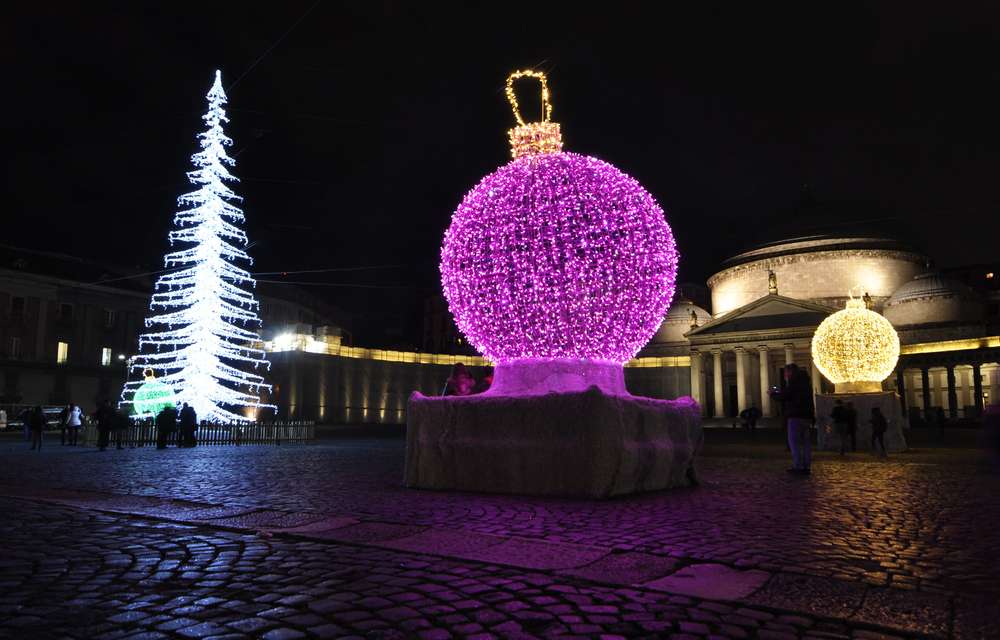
207 334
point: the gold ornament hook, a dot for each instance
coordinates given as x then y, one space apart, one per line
542 80
533 138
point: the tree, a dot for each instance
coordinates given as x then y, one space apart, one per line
207 331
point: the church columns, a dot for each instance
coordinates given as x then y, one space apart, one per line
741 379
952 395
720 411
817 377
977 388
925 382
765 381
697 379
901 388
789 353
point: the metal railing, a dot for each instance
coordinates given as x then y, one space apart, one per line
143 433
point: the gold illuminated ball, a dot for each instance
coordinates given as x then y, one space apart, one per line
855 348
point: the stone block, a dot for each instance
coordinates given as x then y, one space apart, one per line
586 444
829 440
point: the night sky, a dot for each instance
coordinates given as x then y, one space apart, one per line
358 127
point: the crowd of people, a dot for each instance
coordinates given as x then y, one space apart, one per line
112 425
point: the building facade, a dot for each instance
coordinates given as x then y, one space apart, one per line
67 327
768 302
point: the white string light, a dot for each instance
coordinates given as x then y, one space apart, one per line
208 325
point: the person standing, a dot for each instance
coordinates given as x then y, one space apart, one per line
189 422
63 425
797 398
166 423
103 417
840 418
3 420
36 422
120 425
852 425
879 426
73 424
460 383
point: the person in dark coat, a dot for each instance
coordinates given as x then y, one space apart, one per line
119 425
879 426
104 417
483 384
166 423
852 425
460 383
189 422
36 422
797 399
750 416
63 425
840 417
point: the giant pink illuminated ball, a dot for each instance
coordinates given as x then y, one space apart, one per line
558 256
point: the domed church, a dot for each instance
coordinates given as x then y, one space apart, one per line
767 302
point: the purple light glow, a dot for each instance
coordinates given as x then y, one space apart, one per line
558 256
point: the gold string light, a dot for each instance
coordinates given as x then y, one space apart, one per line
531 138
856 349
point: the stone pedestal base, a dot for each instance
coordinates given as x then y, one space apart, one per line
578 444
887 401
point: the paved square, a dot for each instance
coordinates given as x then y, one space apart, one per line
322 541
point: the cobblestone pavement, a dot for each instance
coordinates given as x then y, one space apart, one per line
862 546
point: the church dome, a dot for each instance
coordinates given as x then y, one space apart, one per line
678 321
933 298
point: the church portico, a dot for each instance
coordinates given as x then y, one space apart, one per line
750 346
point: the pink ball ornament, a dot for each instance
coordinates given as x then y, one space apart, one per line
557 256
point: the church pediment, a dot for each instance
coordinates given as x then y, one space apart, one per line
770 313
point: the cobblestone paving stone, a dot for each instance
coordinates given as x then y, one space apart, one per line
74 573
902 544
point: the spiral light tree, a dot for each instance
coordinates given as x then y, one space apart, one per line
204 335
558 268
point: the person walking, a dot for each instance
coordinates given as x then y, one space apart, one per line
840 417
63 425
3 420
73 424
797 399
36 422
166 423
189 422
879 426
103 417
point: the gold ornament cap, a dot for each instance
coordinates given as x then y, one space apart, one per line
532 138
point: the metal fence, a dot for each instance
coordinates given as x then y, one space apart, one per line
143 433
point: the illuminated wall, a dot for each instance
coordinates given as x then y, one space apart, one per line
338 389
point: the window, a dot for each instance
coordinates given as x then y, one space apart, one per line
65 312
62 353
15 347
109 318
17 306
105 356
